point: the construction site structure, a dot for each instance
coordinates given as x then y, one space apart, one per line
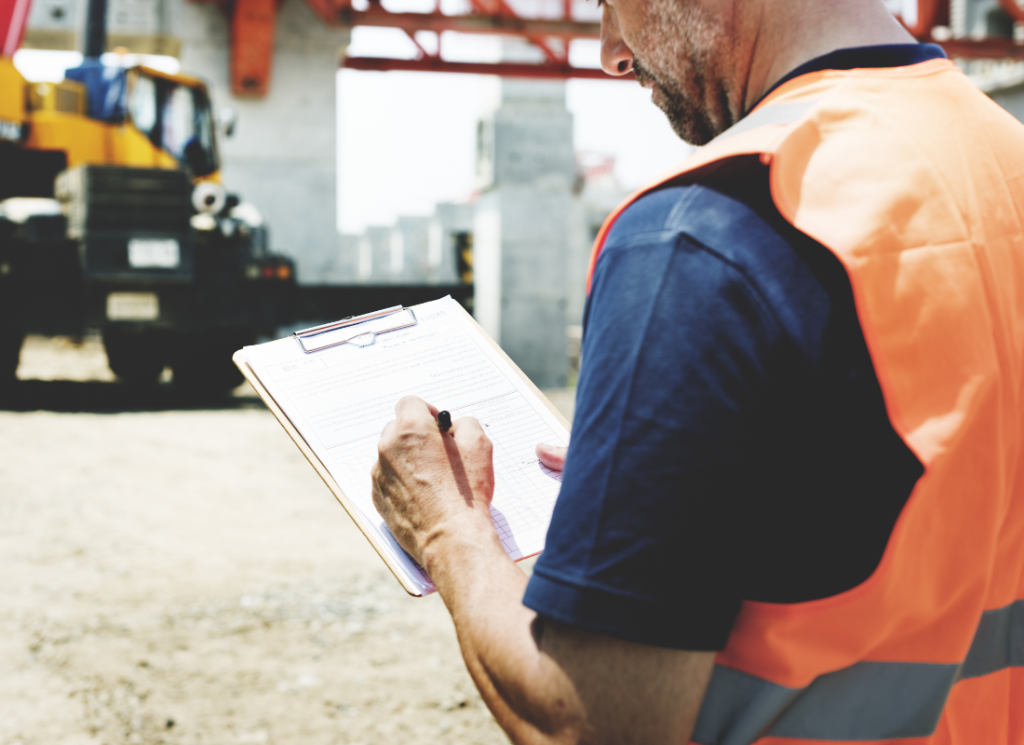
274 64
523 225
113 217
966 29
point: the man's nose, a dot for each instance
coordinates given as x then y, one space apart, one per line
616 57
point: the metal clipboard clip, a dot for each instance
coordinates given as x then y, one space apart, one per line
362 331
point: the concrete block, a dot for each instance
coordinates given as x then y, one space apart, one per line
413 233
379 241
141 26
520 240
282 157
344 269
524 227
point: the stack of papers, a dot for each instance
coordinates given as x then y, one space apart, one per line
338 400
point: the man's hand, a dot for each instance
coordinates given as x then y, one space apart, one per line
544 682
427 484
552 456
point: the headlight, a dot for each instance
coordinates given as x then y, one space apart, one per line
208 197
248 214
20 209
203 221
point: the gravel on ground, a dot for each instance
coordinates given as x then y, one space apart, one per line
181 575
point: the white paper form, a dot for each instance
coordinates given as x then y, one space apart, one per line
340 399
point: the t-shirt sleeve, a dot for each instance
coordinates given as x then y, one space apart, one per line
676 362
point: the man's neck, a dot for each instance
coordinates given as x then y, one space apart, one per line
792 32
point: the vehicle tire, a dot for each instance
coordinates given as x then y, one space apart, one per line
202 362
10 353
136 358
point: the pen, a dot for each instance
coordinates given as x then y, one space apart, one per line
444 421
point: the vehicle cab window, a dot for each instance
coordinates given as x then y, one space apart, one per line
175 117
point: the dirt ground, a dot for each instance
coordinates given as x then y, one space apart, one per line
181 575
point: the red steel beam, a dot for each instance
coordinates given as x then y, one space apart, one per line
423 52
325 9
252 46
506 69
927 12
1015 11
253 37
467 24
982 49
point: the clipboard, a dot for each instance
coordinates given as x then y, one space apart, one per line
353 327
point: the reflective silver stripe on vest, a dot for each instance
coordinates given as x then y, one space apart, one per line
866 701
780 113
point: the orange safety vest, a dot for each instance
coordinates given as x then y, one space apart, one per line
915 181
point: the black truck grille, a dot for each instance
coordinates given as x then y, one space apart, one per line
104 198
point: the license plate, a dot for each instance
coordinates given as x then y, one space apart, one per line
154 253
133 306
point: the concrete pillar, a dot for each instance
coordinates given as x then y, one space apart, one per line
414 235
379 244
344 268
282 156
55 24
141 26
523 227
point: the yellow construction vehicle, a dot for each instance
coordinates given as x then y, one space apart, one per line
112 217
119 131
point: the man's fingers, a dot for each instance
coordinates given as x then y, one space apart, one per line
375 493
552 456
467 432
386 437
414 407
475 458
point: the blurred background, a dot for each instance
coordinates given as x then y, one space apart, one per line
178 179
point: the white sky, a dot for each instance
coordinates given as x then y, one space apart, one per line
408 140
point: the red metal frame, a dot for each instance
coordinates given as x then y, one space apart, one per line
550 36
252 43
511 69
13 17
252 46
934 14
507 25
1015 11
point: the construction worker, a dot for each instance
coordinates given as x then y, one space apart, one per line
792 506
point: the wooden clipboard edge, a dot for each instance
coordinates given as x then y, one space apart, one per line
243 365
537 391
250 375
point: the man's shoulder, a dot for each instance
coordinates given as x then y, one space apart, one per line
727 222
732 216
669 209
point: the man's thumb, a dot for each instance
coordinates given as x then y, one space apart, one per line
552 456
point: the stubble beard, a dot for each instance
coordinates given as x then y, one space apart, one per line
682 51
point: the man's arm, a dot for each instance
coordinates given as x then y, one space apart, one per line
543 681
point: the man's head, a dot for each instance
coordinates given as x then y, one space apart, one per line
708 61
682 50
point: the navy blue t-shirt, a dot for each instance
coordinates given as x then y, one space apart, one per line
731 440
